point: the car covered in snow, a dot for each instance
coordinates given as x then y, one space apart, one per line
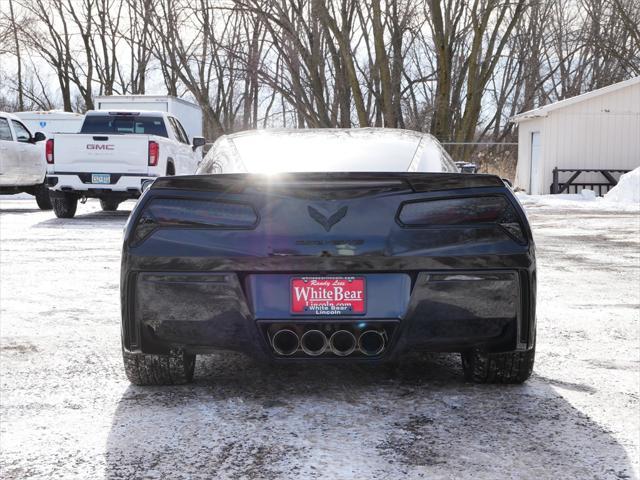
22 164
328 245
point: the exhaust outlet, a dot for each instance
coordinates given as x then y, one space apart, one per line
285 342
313 342
371 342
342 343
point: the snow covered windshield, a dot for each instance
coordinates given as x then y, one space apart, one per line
110 124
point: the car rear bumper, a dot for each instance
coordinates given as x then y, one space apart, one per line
127 184
9 181
428 310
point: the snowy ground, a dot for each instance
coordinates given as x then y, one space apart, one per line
67 410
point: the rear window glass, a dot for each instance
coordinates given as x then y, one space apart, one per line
110 124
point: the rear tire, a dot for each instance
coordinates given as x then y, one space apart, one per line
152 369
510 367
65 206
42 197
109 205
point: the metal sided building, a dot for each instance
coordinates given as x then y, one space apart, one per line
586 141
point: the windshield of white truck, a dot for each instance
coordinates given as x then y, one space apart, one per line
114 124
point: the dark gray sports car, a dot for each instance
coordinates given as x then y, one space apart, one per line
328 246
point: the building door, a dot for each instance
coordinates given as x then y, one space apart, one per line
536 164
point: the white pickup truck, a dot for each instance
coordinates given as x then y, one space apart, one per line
114 155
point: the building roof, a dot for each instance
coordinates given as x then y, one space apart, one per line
544 111
49 113
142 99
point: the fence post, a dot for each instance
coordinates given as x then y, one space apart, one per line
555 188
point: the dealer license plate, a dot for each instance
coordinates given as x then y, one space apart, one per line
328 296
100 178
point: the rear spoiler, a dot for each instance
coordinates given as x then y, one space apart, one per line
418 182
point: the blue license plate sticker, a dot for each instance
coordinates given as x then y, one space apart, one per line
101 178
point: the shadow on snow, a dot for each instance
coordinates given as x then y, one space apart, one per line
244 420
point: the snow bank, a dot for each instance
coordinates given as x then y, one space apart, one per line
586 200
628 189
623 197
17 196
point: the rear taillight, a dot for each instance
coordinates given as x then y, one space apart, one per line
472 211
154 153
184 213
454 211
49 151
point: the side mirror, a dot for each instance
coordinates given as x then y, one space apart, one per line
467 167
198 142
146 184
39 137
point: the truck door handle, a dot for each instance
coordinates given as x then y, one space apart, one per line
101 139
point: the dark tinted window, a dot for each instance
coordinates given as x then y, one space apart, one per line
110 124
5 131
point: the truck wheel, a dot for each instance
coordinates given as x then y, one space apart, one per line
65 207
109 205
42 197
510 367
151 369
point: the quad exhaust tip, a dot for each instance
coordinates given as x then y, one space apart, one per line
313 342
342 343
285 342
371 342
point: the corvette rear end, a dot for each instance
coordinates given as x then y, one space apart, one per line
328 267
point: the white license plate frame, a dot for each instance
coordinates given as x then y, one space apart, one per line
329 305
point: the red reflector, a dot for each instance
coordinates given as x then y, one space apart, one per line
125 114
49 151
154 153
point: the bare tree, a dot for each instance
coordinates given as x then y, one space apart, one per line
137 35
51 36
17 51
457 68
6 31
103 43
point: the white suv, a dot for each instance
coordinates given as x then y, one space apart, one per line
22 162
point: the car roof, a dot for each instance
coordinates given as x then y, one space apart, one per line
330 132
111 111
9 115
